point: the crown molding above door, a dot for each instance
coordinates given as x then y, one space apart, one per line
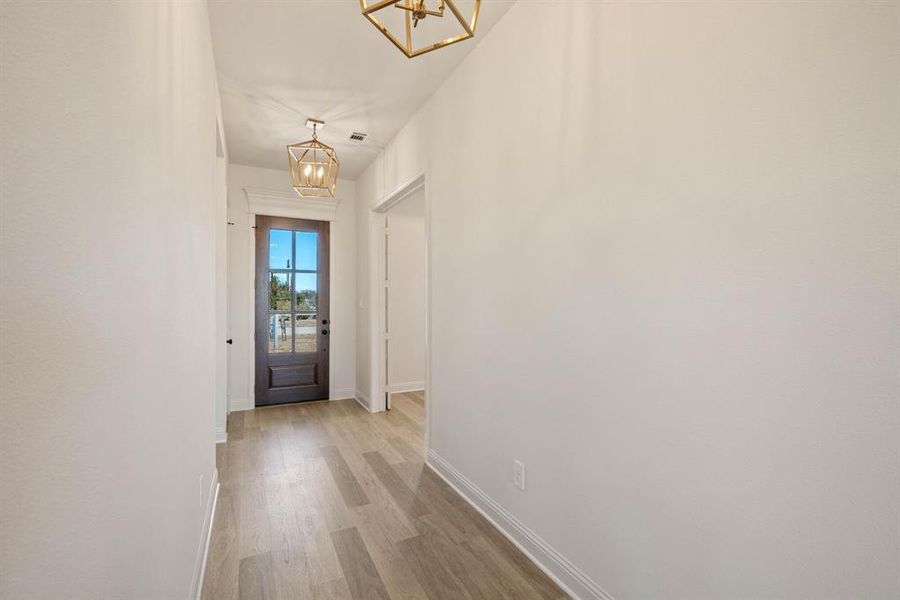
276 203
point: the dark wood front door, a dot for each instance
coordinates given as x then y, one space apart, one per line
292 322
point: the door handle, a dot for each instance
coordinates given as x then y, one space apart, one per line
324 332
229 341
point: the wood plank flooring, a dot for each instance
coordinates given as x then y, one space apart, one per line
329 502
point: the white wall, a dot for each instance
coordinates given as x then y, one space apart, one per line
107 283
240 271
674 228
406 305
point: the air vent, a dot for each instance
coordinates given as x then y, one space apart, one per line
357 136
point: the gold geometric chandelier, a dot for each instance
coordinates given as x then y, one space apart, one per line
400 32
314 166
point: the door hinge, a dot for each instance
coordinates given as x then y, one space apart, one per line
387 231
387 335
387 283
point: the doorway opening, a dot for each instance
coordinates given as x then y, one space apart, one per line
404 299
380 334
292 310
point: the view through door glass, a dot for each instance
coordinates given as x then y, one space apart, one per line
293 266
292 257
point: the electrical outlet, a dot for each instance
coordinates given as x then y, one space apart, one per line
519 474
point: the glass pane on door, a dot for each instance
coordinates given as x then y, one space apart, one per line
305 337
307 250
305 292
280 249
280 333
280 291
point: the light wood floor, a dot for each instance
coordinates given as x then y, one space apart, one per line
324 500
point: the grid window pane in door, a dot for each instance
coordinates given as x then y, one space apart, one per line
280 333
306 250
280 249
306 295
280 291
305 337
306 301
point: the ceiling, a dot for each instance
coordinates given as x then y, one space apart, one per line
280 62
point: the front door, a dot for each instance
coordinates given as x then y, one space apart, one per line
291 310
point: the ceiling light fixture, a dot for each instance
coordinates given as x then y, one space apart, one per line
314 166
419 10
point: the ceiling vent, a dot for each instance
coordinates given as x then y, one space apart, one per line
357 136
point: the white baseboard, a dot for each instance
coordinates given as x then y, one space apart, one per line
237 404
409 386
221 435
363 400
206 534
342 394
569 577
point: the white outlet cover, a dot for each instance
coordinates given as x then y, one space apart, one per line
519 474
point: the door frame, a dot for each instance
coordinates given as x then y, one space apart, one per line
276 203
377 266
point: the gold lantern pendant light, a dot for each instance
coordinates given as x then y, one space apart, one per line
314 166
418 10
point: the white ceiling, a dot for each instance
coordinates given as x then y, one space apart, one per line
280 62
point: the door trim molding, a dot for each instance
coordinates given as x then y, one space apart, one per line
376 212
399 193
278 203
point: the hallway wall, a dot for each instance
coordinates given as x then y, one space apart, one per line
240 266
107 298
675 229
